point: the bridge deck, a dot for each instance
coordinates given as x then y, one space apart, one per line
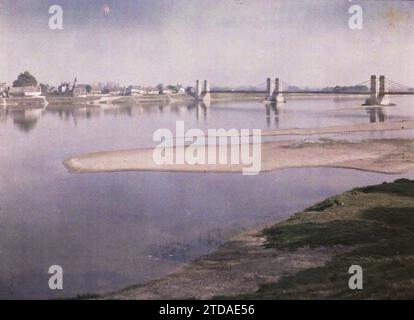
312 92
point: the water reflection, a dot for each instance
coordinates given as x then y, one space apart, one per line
2 113
201 109
67 112
296 114
25 119
377 114
276 109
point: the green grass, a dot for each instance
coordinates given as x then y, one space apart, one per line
87 296
377 222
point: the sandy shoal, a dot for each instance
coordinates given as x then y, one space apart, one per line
384 156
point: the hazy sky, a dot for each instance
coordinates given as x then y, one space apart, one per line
228 42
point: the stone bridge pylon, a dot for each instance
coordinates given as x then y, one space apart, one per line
378 92
202 93
274 91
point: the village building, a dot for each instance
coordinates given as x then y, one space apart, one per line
4 90
174 89
140 90
95 92
81 90
27 91
167 91
151 90
133 91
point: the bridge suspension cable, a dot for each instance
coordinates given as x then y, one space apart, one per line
288 84
397 84
360 84
259 85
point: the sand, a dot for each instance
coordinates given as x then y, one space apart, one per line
384 156
363 127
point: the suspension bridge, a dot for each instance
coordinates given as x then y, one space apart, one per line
378 93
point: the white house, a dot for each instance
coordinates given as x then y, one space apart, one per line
29 91
133 90
151 90
138 90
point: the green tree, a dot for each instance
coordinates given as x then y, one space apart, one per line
25 79
88 88
44 88
160 88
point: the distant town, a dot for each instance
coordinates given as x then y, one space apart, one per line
26 85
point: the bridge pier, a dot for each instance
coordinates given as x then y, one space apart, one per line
278 92
206 96
383 97
378 92
197 93
202 93
274 91
372 100
270 88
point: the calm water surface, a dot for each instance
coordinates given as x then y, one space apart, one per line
111 230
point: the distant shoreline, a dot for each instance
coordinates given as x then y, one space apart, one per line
121 100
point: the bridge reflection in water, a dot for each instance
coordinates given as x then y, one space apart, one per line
25 119
276 109
273 112
377 114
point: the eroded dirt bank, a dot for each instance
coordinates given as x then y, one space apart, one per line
308 255
238 266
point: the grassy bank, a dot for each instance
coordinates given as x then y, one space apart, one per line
375 222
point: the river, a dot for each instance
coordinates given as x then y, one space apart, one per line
111 230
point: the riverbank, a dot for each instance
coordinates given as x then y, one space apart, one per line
161 98
151 98
308 255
